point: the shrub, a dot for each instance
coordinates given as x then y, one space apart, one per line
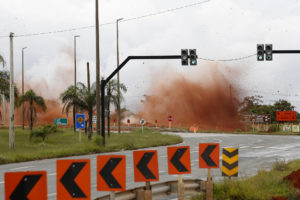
43 132
98 140
280 166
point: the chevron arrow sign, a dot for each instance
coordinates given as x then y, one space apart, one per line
230 159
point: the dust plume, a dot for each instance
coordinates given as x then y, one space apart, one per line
207 99
48 84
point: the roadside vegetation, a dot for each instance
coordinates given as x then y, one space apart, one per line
50 142
263 186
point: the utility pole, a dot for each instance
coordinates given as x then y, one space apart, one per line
97 71
88 76
75 81
23 86
118 80
11 100
4 109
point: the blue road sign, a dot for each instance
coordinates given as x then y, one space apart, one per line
79 121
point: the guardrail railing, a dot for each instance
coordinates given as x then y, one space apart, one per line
168 188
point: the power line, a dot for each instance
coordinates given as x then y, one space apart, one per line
113 22
227 60
166 11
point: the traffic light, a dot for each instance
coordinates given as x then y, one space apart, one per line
184 57
193 57
269 52
260 52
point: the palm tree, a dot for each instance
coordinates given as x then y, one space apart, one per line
112 95
68 99
34 101
2 60
4 87
83 99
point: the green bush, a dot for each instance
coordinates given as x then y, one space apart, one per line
98 141
43 132
280 166
275 128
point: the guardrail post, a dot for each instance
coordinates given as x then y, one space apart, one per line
148 192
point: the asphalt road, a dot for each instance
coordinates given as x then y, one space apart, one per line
255 153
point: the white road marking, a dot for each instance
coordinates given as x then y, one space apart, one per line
52 194
243 147
162 171
1 182
53 174
258 147
163 156
18 168
194 151
279 148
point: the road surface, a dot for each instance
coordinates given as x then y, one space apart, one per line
255 152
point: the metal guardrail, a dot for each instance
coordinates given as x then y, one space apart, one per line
158 190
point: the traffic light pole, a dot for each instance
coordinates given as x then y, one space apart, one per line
105 81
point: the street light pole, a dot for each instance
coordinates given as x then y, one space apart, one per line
23 86
118 80
11 93
97 69
74 109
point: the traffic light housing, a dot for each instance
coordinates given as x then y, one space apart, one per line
269 52
193 57
260 52
184 57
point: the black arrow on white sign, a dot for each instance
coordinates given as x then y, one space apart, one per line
68 180
24 187
142 165
106 172
206 155
175 160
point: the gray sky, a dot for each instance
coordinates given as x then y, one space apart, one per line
218 29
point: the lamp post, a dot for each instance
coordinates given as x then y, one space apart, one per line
74 109
23 86
118 79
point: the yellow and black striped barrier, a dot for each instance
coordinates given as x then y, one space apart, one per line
230 162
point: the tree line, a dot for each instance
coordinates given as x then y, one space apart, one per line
254 105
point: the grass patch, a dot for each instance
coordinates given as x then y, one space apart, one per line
66 143
263 186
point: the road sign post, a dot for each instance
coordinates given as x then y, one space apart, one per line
170 119
209 158
128 124
80 124
142 122
179 162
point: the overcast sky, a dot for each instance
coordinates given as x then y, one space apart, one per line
218 29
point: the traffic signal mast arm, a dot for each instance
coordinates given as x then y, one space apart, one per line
286 51
105 81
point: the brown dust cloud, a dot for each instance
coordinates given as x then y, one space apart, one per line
207 98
